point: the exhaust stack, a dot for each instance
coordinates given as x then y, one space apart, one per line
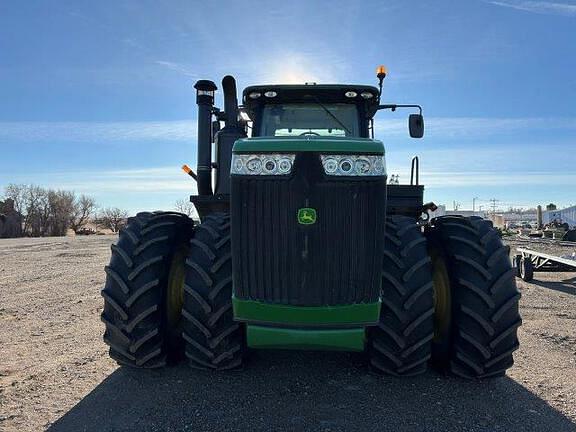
205 100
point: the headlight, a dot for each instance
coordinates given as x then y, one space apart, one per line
262 164
354 165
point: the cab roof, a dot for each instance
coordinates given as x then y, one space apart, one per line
295 93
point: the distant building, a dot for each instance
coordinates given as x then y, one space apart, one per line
567 215
10 220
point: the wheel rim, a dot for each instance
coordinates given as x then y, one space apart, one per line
175 291
442 299
522 267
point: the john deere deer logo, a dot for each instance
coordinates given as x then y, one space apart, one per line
306 216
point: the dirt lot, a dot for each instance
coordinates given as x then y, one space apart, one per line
55 373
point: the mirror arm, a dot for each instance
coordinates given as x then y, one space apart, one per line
393 107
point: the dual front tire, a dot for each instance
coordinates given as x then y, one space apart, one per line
168 293
448 297
141 308
475 284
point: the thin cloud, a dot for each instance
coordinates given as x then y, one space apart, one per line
540 7
170 179
435 180
456 127
185 130
154 180
177 67
97 132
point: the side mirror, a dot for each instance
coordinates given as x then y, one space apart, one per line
416 125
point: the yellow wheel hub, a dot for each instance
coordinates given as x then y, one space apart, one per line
442 298
175 289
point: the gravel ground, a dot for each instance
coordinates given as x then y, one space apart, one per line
55 373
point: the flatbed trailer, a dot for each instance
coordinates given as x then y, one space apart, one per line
528 261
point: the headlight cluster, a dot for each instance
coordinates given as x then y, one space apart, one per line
354 165
262 164
334 165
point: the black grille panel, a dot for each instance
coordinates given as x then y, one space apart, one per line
335 261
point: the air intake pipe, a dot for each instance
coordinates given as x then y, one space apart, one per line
230 101
205 100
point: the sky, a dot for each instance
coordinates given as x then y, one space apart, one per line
97 97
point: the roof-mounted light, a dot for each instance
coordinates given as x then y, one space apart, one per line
254 95
270 94
381 71
366 95
350 94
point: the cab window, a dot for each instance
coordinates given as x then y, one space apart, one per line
335 120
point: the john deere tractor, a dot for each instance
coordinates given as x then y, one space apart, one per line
304 243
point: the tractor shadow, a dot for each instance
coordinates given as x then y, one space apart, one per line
291 391
566 286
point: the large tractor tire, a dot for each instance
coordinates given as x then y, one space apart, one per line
401 343
143 290
476 299
213 340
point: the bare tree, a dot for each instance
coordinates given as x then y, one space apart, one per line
49 212
61 204
83 208
18 194
186 207
112 218
37 219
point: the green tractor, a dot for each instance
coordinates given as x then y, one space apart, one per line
304 244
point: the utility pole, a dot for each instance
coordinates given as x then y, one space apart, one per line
493 202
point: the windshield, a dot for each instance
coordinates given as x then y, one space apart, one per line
337 120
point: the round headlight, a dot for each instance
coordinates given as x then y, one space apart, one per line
378 166
330 165
346 166
238 165
362 166
269 166
367 95
270 94
254 95
350 94
284 166
254 165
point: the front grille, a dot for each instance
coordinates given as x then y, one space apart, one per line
335 261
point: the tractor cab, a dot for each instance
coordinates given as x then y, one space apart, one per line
310 109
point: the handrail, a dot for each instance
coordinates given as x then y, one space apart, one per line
415 170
